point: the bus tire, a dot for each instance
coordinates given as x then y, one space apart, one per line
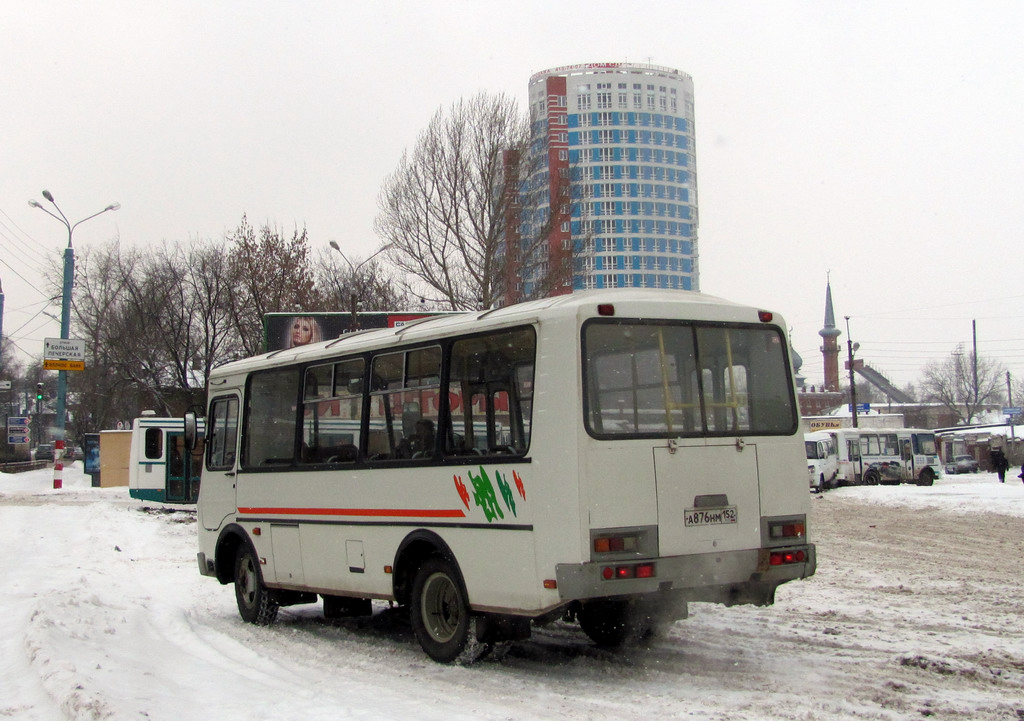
872 478
440 614
255 604
611 622
926 478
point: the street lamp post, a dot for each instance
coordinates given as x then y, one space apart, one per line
65 323
850 348
354 296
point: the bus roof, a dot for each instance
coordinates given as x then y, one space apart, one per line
631 302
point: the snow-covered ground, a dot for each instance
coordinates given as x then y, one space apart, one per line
915 612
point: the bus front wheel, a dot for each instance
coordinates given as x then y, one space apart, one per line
255 604
440 613
926 478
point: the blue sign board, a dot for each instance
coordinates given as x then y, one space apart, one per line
1011 411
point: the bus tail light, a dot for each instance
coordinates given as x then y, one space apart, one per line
605 309
615 544
765 316
784 558
632 570
779 530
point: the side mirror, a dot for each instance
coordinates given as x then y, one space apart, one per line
190 431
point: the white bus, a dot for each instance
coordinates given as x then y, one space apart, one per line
822 462
160 466
606 456
897 455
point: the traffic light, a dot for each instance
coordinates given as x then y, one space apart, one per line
39 391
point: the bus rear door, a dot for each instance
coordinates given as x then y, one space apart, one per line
708 497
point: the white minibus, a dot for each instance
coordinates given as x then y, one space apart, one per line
822 462
605 456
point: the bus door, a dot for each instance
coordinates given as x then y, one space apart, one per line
218 489
853 464
183 469
907 460
708 497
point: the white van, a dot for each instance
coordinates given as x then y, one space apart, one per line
822 461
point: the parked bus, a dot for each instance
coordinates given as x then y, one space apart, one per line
822 462
160 466
605 456
898 455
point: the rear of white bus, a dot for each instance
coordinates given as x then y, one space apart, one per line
692 467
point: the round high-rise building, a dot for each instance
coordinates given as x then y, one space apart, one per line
616 148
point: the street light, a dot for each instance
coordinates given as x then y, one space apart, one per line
65 321
354 296
850 348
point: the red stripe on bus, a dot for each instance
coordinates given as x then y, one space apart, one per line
396 512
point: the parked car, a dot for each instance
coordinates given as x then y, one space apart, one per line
44 452
962 464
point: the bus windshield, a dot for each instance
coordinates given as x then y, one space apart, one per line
674 379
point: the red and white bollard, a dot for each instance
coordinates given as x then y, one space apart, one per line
58 463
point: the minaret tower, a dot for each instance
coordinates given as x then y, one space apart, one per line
830 345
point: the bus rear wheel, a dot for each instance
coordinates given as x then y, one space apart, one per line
255 604
872 478
440 614
612 622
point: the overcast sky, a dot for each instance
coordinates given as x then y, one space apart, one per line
880 142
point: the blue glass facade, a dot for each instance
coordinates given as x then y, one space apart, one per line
628 137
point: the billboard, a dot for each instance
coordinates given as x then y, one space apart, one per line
288 330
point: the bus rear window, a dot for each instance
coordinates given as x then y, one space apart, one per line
678 379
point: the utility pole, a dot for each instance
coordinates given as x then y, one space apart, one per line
849 360
974 333
1010 420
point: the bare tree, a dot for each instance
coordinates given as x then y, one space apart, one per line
101 395
269 274
952 383
155 324
208 276
443 210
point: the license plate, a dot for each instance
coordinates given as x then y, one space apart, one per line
710 516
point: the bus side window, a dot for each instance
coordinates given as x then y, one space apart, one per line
269 437
154 443
490 394
404 404
332 412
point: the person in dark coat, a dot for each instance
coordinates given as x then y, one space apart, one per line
1000 464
